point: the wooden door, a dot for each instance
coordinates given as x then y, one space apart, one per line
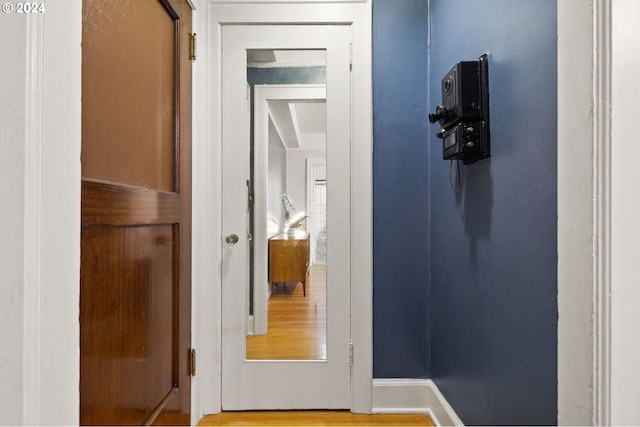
135 292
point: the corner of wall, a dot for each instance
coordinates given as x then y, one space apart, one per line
406 396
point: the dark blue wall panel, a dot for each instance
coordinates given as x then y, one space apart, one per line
493 245
401 208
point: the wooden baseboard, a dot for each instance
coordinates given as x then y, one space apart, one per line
413 396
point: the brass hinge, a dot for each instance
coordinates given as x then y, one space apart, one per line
191 362
193 47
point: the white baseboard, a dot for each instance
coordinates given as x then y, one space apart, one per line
406 396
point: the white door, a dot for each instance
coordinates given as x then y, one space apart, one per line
279 384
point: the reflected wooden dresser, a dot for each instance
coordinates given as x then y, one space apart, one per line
289 260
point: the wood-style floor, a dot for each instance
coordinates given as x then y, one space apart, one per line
297 325
313 418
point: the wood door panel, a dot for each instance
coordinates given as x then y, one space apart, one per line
129 96
105 203
126 335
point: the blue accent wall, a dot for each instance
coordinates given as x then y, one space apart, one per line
465 283
401 251
493 245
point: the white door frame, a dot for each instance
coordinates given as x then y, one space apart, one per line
207 198
584 222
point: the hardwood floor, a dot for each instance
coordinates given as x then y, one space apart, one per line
297 325
313 418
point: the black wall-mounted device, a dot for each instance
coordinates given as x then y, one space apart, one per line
464 112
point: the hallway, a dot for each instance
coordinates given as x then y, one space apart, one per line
462 288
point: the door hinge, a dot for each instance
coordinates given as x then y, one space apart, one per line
250 194
350 56
193 47
191 362
350 354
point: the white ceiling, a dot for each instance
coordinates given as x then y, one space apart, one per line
300 123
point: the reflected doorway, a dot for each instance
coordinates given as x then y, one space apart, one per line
287 310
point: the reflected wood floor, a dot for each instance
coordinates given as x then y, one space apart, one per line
297 325
313 418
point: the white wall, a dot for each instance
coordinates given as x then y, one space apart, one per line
625 215
277 182
297 175
40 117
12 181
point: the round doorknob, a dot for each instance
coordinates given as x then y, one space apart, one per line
232 239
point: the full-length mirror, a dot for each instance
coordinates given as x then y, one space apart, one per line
286 133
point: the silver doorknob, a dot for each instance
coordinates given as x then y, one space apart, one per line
232 239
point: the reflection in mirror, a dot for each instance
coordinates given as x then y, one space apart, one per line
286 297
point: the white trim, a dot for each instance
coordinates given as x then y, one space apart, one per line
441 411
362 209
584 178
207 167
32 222
602 209
410 396
205 272
59 338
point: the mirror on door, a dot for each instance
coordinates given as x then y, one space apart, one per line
286 139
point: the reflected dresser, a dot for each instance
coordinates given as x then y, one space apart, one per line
289 260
